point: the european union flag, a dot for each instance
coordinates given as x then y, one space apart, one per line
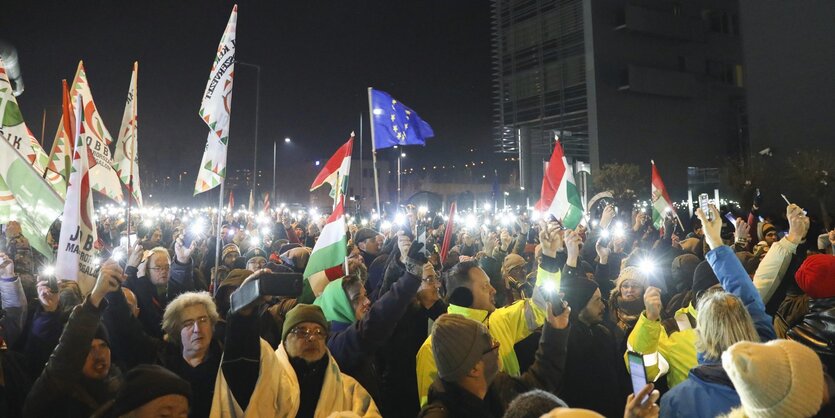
396 124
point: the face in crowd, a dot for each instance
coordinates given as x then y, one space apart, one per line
594 310
97 364
197 330
159 267
484 295
307 342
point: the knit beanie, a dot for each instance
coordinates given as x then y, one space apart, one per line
703 278
533 404
816 276
255 252
510 262
229 248
765 229
458 344
303 313
578 291
780 379
632 273
143 384
682 269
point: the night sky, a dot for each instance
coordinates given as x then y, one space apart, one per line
317 58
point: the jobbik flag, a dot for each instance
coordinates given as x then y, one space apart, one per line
126 159
76 251
215 110
661 203
328 256
394 123
335 172
561 191
103 177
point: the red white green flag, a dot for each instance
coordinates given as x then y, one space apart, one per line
661 203
335 172
328 256
103 177
60 157
216 108
126 159
565 203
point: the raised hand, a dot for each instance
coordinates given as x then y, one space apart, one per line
652 303
109 280
607 216
798 223
742 231
572 242
135 256
551 239
558 321
49 300
712 229
6 266
183 254
603 252
647 409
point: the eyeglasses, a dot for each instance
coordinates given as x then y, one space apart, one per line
304 333
494 346
164 269
201 321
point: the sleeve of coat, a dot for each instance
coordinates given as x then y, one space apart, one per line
734 279
548 368
128 339
773 267
15 304
182 278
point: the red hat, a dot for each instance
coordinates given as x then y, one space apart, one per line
816 276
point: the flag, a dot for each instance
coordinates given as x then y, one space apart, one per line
335 172
450 225
103 177
78 230
126 159
546 193
60 157
30 200
565 203
266 202
394 123
661 203
231 202
215 110
251 206
329 253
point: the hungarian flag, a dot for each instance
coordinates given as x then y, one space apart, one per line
103 177
231 202
266 207
560 197
78 229
335 172
328 256
126 160
450 225
661 203
215 110
60 157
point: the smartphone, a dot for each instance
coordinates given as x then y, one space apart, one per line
703 205
637 372
730 217
270 284
557 307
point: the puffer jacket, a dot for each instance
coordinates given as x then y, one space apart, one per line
707 393
817 330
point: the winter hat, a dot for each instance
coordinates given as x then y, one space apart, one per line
229 248
303 313
703 278
578 291
510 262
816 276
572 413
631 273
143 384
781 378
458 344
287 247
682 270
255 252
533 404
765 228
364 234
232 281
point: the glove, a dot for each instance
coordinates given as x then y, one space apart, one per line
415 259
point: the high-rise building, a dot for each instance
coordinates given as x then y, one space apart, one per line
619 81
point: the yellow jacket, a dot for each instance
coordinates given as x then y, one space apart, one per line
669 349
508 325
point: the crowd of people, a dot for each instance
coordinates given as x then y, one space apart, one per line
519 318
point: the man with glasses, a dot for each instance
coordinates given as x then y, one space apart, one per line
155 280
299 379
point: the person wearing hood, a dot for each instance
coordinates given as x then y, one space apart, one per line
359 328
79 377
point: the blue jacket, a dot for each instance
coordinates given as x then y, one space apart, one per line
708 392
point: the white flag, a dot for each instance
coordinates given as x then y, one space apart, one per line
103 177
215 110
76 251
126 159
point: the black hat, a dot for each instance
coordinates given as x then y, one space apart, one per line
364 234
143 384
703 278
578 291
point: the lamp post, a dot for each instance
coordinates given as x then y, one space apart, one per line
257 112
275 152
399 158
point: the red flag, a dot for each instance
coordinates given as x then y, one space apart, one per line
448 233
231 202
266 202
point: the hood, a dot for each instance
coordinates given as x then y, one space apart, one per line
335 304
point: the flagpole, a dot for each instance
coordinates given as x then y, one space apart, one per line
374 153
214 279
361 193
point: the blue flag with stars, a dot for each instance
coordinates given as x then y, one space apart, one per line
396 124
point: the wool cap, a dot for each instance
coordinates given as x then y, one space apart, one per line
512 261
766 228
816 276
781 378
632 273
364 234
578 291
255 252
703 278
458 344
303 313
143 384
229 248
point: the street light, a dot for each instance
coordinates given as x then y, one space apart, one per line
257 111
287 140
399 157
